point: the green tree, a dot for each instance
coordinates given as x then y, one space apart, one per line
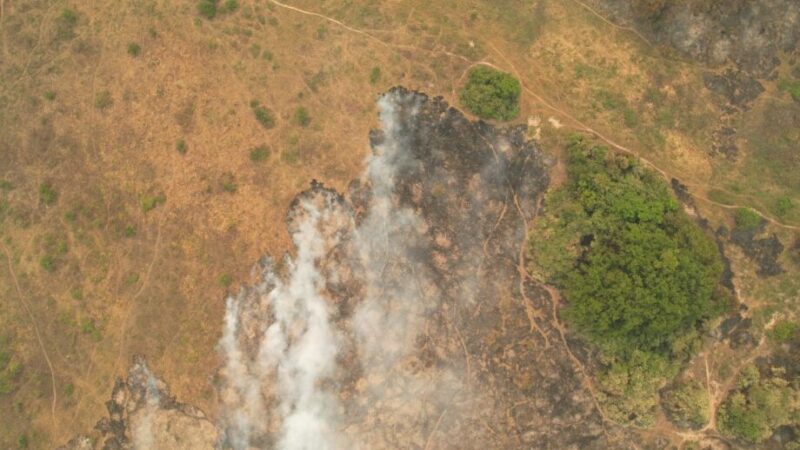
638 276
687 404
491 94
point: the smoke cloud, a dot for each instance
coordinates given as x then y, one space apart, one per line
142 429
357 289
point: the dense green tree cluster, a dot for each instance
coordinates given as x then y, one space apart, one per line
759 405
491 94
638 275
638 272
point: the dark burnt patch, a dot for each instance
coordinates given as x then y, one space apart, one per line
748 34
734 87
764 251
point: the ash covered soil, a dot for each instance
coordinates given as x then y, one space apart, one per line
751 35
405 320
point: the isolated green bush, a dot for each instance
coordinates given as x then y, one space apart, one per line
747 219
491 94
207 8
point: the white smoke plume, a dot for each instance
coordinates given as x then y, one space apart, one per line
295 354
142 430
281 344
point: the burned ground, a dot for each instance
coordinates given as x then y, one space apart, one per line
751 35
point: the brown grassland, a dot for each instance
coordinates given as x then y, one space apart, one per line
130 202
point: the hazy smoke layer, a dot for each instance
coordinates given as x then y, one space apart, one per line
142 429
281 343
295 353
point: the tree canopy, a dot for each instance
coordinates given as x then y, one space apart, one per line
491 94
639 273
638 276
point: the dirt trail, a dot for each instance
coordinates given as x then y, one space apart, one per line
35 330
577 124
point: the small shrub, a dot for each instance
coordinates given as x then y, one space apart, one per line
264 116
688 405
129 231
229 183
150 202
629 117
180 146
49 95
225 280
48 263
230 6
783 205
71 216
375 75
747 219
291 156
65 24
792 87
103 100
22 441
322 31
76 293
301 117
6 185
783 331
207 8
134 49
47 193
259 154
491 94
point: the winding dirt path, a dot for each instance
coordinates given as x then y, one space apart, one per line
36 330
577 124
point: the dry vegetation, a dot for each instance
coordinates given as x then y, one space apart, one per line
134 191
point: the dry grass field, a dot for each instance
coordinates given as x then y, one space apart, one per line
148 155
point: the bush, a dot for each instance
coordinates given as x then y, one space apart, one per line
47 193
65 24
301 117
207 8
747 219
134 49
375 75
230 6
150 202
229 183
687 405
180 146
259 154
630 386
783 205
491 94
103 100
754 411
792 87
263 115
783 331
